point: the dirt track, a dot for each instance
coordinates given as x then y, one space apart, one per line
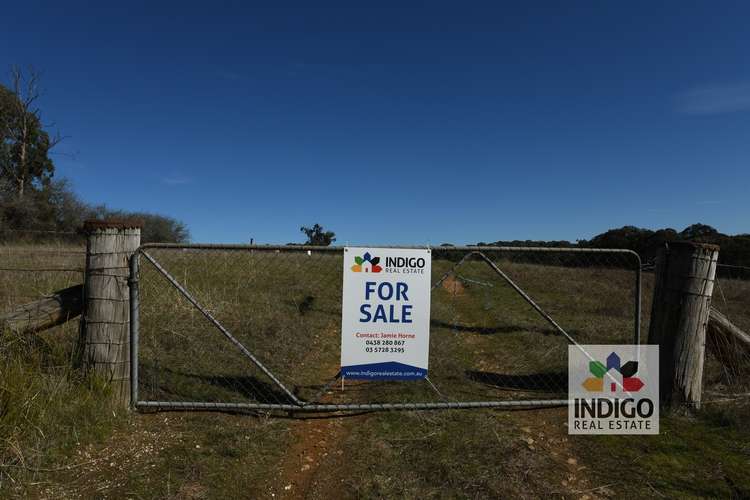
312 466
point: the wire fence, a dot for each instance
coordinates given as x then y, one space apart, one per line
726 373
283 304
32 268
259 327
726 378
41 236
732 272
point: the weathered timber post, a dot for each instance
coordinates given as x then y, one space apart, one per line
104 344
683 286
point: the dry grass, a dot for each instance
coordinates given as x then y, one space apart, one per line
486 343
28 272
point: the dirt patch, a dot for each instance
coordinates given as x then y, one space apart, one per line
312 465
192 491
544 434
102 472
454 286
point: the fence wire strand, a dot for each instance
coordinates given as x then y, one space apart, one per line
34 266
726 377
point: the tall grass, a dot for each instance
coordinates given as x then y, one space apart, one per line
46 407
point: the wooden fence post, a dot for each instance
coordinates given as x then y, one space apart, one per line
683 286
105 324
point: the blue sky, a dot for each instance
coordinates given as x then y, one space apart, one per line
439 122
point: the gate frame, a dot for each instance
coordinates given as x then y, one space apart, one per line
313 406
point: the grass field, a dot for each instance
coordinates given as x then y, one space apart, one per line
61 438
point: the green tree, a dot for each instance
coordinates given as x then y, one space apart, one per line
24 145
317 236
699 232
162 229
30 200
156 228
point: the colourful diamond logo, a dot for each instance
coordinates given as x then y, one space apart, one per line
367 264
630 382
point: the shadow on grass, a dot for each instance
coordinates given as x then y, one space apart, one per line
306 306
492 330
547 381
178 384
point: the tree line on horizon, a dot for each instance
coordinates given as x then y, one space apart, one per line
735 249
33 204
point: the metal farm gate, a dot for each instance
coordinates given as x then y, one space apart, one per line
232 327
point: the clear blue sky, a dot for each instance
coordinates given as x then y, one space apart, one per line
441 122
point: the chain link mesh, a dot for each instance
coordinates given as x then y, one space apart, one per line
283 304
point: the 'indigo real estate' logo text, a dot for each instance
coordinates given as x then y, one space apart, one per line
613 389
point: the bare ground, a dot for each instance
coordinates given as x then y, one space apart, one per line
311 467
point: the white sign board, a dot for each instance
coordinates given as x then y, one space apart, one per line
385 317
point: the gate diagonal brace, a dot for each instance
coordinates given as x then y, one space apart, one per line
526 297
515 287
221 328
533 304
518 290
316 399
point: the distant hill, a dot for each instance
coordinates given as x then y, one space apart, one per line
735 249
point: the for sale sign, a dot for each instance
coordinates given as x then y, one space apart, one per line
385 318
